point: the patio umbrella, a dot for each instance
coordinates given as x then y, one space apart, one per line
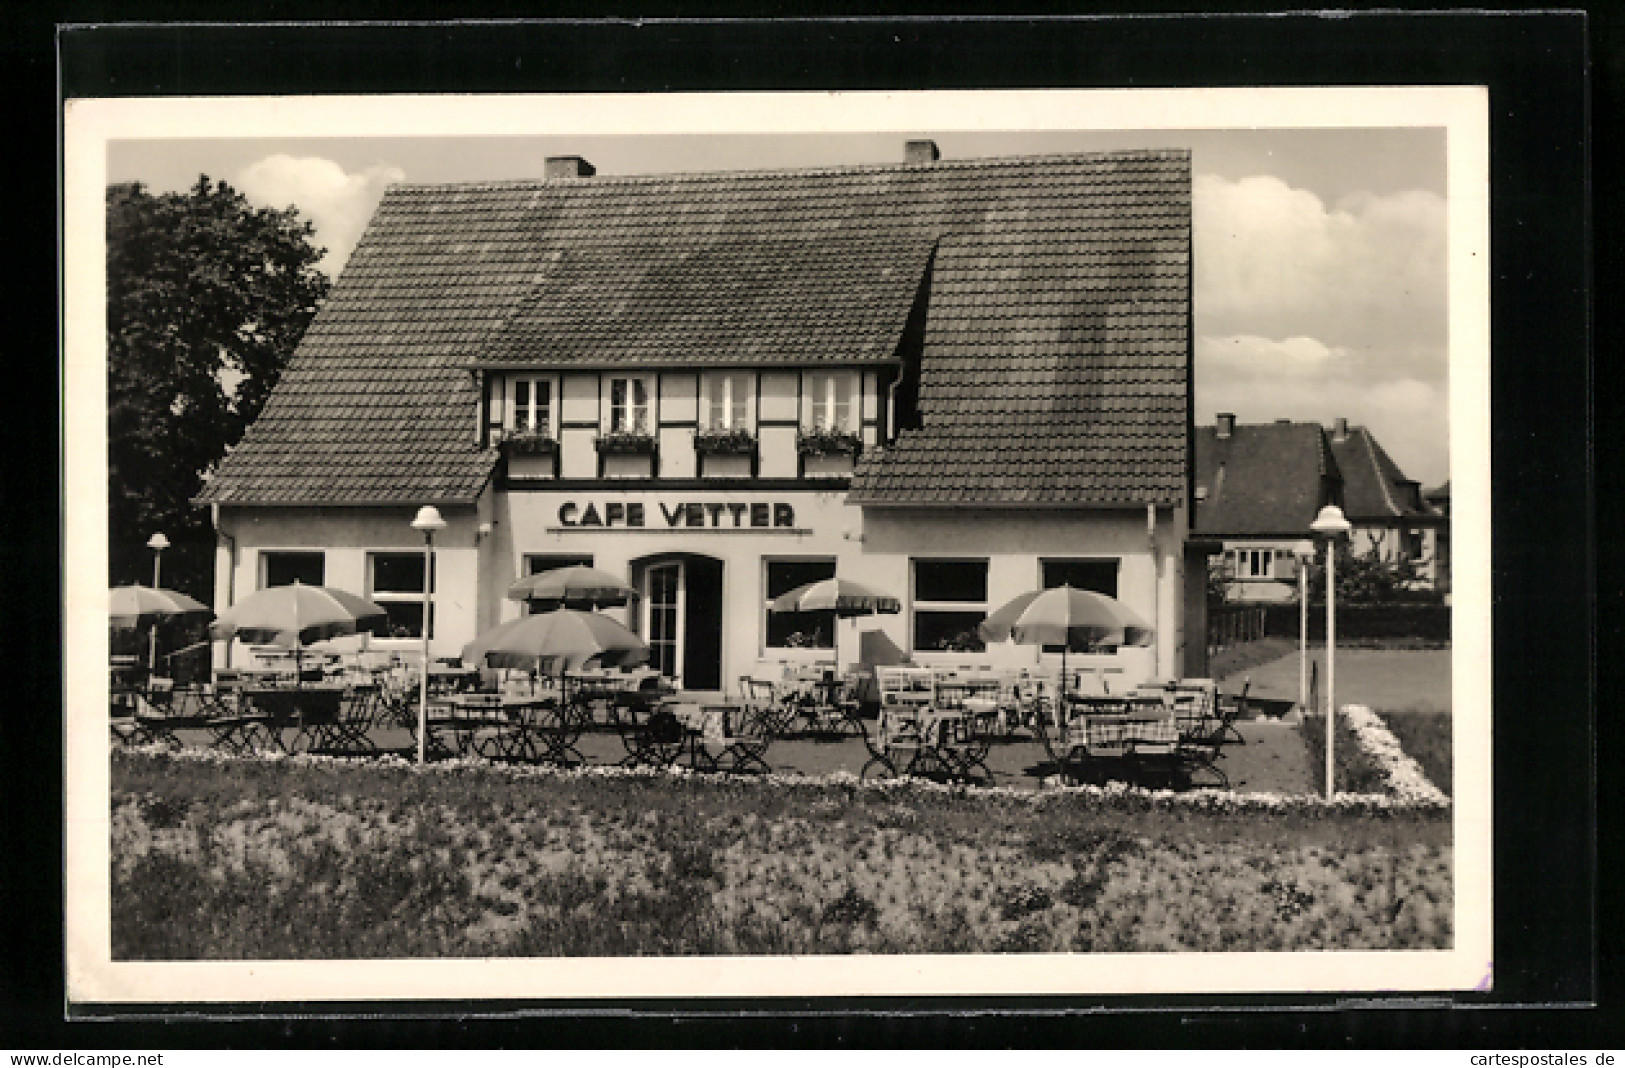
564 637
847 599
574 586
297 615
139 607
1063 615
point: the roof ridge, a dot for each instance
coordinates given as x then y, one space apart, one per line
1376 464
601 179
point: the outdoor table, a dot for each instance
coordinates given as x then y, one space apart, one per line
445 678
264 712
815 700
536 728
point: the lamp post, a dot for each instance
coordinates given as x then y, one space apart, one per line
1331 525
428 521
157 543
1304 551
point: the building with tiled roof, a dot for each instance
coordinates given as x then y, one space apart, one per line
1260 486
950 380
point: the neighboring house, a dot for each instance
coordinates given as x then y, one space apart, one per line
952 381
1386 509
1260 486
1438 550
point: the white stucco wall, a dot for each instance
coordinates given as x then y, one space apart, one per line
871 546
345 537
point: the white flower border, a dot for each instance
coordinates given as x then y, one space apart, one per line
1405 776
1116 795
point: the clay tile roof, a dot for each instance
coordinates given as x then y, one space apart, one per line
1374 488
1266 480
717 299
1054 364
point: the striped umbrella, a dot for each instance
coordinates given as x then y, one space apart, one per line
847 599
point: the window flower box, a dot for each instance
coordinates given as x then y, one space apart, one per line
828 443
528 443
724 443
626 443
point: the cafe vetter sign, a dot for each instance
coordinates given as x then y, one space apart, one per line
726 515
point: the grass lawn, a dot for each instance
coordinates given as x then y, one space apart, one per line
273 859
1425 737
1357 773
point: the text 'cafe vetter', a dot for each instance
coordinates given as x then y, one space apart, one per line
952 381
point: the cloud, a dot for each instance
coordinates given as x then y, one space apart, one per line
1262 379
337 203
1368 275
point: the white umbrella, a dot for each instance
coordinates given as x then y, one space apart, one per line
847 599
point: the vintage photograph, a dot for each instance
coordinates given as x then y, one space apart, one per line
616 546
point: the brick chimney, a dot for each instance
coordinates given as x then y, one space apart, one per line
562 168
920 152
1340 430
1226 424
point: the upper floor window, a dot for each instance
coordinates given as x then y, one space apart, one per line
829 400
1253 563
727 400
629 406
530 405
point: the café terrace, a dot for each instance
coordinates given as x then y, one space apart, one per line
952 381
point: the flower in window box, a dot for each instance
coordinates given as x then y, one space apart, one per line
626 443
528 443
738 442
966 641
828 442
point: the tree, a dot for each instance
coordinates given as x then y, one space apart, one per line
1367 578
206 298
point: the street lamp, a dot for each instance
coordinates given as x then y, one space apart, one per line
1331 525
428 520
1304 551
157 543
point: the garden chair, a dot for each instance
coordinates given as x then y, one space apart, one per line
897 746
651 733
466 723
350 731
733 738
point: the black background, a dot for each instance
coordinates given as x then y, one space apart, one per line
1545 543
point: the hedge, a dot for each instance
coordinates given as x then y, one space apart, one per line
1429 622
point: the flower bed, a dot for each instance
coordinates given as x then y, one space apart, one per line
1424 734
319 857
1369 758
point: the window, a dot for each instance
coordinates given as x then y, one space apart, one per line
798 630
284 569
1253 563
395 584
536 563
530 406
629 406
1097 575
950 601
830 396
727 400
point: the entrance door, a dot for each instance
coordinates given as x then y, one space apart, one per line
702 623
663 619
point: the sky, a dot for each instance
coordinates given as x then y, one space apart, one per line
1320 255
